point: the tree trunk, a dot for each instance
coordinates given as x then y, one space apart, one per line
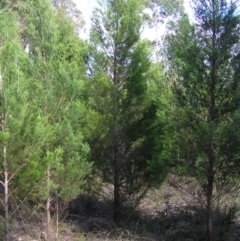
5 185
48 206
57 218
116 210
212 116
116 162
210 182
6 203
116 192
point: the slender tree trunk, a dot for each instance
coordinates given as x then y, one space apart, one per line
116 210
5 184
116 192
210 182
116 163
48 205
57 219
212 118
6 201
5 171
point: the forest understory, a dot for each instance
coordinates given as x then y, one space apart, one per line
167 214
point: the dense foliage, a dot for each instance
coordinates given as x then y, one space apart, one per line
120 73
106 111
204 58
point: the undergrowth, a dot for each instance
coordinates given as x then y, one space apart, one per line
163 215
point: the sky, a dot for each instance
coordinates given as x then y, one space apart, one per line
86 6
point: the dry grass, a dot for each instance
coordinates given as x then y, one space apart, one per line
173 213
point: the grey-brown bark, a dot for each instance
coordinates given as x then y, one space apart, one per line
5 184
48 203
116 161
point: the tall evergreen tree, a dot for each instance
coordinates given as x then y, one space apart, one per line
205 59
43 103
41 111
58 70
18 116
119 71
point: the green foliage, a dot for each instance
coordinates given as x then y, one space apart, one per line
41 101
156 124
120 112
195 87
59 67
205 117
123 110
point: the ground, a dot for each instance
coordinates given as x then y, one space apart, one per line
173 212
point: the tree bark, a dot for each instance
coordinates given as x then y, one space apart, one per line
116 191
57 219
6 202
116 163
48 205
210 182
212 115
116 211
5 185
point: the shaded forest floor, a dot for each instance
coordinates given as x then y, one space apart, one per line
168 214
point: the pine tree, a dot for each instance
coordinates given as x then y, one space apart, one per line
52 133
42 69
58 68
204 58
18 116
119 67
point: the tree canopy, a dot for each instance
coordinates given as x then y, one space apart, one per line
203 58
105 110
